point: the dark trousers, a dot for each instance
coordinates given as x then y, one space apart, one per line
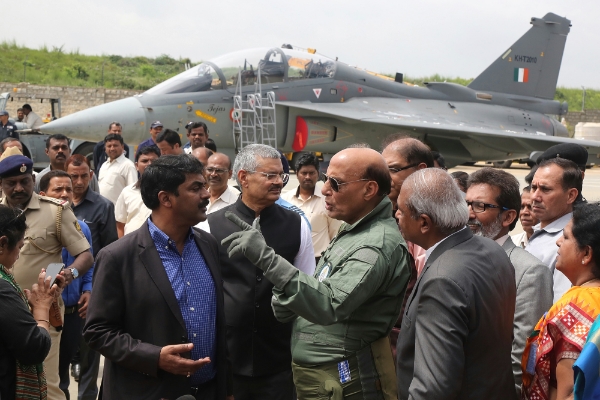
90 365
206 391
69 344
271 387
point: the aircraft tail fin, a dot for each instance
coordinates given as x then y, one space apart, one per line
529 67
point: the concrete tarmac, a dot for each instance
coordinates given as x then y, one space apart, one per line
591 191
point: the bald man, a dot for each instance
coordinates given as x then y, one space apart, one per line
344 312
202 154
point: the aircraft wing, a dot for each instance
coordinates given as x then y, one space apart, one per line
462 131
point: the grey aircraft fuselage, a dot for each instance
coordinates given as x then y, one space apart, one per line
325 105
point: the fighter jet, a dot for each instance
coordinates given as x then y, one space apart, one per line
299 100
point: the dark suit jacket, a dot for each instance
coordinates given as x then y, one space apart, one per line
534 297
133 313
456 335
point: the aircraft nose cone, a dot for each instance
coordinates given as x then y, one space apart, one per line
92 124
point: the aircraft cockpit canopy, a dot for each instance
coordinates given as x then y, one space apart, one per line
275 65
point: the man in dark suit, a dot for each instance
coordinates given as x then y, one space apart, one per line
456 335
156 312
494 200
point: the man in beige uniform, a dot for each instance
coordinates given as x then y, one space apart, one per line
51 225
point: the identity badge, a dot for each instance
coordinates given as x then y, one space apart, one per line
324 272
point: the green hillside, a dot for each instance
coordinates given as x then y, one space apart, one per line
55 66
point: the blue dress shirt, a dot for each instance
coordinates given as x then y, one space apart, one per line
72 293
194 289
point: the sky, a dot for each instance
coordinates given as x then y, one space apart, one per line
457 38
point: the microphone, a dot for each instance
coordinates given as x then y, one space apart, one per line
186 397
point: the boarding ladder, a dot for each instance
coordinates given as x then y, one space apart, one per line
253 116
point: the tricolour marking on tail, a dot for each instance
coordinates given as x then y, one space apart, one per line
529 67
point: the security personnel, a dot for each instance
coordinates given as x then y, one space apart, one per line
344 312
51 225
7 128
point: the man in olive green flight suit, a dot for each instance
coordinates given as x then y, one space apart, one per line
344 312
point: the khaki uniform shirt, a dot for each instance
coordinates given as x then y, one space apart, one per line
323 227
42 246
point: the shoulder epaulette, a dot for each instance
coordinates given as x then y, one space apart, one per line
58 202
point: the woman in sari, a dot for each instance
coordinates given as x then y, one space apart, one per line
24 317
560 335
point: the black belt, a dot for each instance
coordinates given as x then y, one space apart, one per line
70 310
195 390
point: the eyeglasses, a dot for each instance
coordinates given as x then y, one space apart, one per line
271 177
479 206
335 184
212 170
396 170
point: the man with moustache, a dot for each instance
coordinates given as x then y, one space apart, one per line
130 211
259 345
157 310
310 200
118 171
343 314
197 134
58 185
404 156
100 156
555 188
99 214
493 200
528 221
155 128
51 225
58 151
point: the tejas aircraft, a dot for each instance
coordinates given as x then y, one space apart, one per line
302 101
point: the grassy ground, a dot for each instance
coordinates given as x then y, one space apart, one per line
55 66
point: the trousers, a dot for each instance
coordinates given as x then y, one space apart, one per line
368 375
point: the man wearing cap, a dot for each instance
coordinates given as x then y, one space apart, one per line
7 128
51 225
100 152
155 129
32 120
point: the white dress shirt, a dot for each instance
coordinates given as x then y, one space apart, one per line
542 244
115 175
229 196
33 120
130 209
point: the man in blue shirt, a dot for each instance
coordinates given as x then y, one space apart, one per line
155 128
58 184
157 310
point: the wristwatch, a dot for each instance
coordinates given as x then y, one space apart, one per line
74 272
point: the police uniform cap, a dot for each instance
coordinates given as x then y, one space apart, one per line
569 151
3 112
13 163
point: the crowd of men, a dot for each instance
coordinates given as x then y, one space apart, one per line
384 278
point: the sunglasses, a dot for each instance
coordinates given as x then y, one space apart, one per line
335 184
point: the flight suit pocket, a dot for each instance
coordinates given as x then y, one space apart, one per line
34 237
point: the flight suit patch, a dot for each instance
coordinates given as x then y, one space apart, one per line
366 255
324 272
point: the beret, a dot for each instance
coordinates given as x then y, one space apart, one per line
13 163
569 151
